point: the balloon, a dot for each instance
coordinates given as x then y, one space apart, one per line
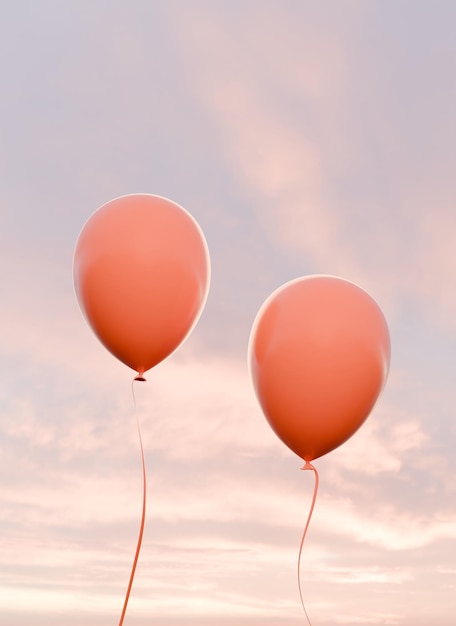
319 355
141 274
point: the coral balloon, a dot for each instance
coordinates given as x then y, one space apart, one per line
141 274
319 355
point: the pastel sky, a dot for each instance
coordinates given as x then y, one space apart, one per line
305 137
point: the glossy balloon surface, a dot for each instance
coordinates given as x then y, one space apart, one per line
319 355
141 275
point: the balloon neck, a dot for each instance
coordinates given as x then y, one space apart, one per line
140 377
307 466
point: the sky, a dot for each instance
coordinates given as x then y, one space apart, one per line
305 138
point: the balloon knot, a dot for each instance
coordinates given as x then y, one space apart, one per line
140 378
307 466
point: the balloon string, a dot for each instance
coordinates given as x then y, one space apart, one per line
307 466
143 516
